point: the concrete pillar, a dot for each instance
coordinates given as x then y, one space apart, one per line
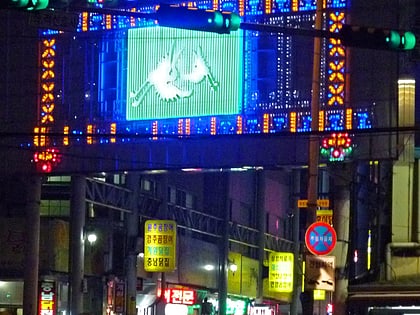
32 228
77 248
341 220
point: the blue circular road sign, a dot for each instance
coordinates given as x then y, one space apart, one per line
320 238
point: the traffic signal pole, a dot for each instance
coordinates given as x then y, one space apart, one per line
224 22
313 150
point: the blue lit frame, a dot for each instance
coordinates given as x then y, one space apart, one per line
276 81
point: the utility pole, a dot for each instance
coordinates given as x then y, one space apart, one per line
77 247
32 225
313 151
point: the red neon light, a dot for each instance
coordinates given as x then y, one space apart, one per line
46 159
180 296
47 298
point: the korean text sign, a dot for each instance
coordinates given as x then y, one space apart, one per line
159 245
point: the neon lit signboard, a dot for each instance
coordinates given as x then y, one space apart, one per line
336 147
280 274
47 298
159 245
182 73
180 296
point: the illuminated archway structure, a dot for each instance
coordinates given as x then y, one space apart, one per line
96 89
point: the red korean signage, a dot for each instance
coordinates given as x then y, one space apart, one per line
47 298
180 296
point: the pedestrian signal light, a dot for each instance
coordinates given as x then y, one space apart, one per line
376 38
197 19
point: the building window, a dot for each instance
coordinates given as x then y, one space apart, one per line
181 198
148 186
55 208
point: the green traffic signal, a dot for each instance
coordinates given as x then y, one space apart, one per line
408 41
376 38
25 4
198 19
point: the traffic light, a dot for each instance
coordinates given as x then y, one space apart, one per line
198 19
376 38
24 4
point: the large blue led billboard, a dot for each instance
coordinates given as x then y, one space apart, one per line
173 73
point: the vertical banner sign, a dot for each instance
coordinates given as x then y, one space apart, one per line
159 245
119 298
280 273
47 298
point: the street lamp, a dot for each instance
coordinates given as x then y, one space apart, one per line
92 237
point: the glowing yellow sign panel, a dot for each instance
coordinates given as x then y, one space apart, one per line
159 245
280 274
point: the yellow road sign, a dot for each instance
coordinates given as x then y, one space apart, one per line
323 203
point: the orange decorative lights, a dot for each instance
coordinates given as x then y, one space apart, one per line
321 123
132 19
46 158
349 118
108 21
180 126
337 53
113 131
239 125
89 131
295 5
293 122
268 7
241 7
187 126
85 21
266 123
155 130
40 139
47 102
213 126
66 130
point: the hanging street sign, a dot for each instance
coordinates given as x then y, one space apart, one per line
320 273
55 20
324 215
322 203
320 238
159 245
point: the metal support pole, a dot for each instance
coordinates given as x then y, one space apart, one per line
314 138
313 158
32 228
260 205
297 275
224 253
77 248
132 221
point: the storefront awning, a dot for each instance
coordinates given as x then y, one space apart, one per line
384 294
